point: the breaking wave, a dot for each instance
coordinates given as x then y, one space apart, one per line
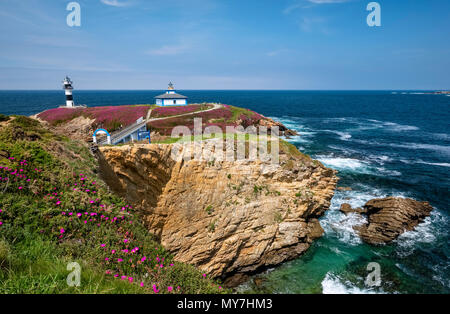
333 284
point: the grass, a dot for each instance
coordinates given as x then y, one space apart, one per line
238 112
3 117
55 210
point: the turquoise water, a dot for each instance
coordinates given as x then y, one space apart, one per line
382 143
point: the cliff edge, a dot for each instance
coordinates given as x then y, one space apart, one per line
230 219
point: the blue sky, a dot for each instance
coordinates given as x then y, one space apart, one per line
225 44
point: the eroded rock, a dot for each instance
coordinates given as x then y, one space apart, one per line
390 217
347 209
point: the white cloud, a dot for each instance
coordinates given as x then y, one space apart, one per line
310 24
276 52
115 3
303 4
169 50
327 1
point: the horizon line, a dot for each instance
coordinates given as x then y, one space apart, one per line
297 90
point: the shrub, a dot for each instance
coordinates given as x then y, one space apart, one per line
209 209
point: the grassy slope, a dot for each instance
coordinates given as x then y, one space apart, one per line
38 238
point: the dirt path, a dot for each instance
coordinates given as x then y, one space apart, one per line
215 106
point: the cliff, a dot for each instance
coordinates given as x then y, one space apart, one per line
230 219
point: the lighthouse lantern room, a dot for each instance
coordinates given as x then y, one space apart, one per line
68 89
171 98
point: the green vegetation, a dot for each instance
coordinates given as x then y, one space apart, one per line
257 189
212 226
55 210
209 209
278 217
3 117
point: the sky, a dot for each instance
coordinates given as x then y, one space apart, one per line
225 44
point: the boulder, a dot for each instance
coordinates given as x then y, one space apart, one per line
390 217
347 209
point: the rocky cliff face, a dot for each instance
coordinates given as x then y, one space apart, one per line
230 219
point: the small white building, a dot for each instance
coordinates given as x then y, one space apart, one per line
171 98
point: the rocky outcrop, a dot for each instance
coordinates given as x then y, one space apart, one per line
270 123
79 128
230 219
390 217
347 209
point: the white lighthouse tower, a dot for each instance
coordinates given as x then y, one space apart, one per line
68 89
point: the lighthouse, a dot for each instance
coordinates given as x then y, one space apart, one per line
171 98
68 89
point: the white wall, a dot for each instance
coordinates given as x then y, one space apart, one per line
178 102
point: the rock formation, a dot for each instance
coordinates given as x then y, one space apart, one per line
270 123
390 217
230 219
347 209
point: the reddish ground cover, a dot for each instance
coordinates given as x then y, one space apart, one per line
178 110
110 117
223 117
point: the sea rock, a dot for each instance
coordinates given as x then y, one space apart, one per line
344 188
230 219
347 209
390 217
270 123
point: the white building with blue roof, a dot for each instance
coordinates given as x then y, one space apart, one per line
171 98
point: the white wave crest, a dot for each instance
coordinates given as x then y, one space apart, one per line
427 232
333 284
342 163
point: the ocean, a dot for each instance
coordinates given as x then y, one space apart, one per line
383 143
